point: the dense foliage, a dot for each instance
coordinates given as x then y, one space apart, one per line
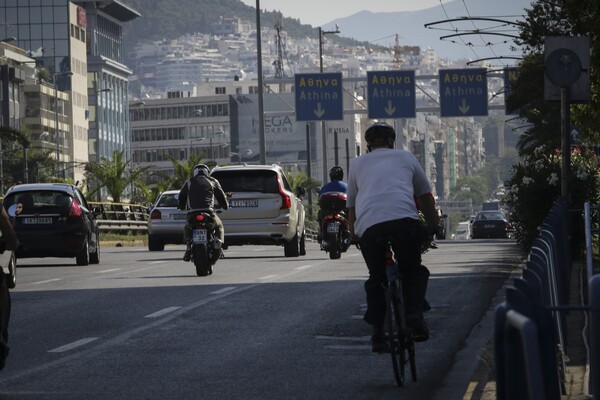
536 180
536 184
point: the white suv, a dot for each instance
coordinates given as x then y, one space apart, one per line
263 208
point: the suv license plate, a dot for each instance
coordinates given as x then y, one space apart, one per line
243 203
333 228
44 220
199 236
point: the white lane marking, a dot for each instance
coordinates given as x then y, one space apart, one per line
162 312
224 290
46 281
304 267
73 345
108 270
264 278
345 338
158 262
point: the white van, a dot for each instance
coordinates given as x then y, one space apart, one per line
463 231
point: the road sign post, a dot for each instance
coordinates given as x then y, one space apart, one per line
463 92
391 94
319 97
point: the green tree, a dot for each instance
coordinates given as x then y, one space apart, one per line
114 174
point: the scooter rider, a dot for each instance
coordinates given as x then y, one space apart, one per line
336 175
200 191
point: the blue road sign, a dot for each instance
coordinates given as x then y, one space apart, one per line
391 94
463 92
319 97
511 74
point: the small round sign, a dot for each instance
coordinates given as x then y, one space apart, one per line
563 67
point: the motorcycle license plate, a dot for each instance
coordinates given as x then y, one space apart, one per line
199 236
333 228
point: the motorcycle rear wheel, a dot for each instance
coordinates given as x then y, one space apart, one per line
201 260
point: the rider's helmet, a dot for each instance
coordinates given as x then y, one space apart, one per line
201 169
380 132
336 173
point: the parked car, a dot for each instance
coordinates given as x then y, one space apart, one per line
263 208
490 224
463 231
54 220
166 224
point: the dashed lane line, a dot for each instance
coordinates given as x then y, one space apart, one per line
224 290
73 345
162 312
46 281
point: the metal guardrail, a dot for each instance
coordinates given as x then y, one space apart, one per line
122 217
529 329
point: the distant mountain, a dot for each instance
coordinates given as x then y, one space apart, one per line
381 28
169 19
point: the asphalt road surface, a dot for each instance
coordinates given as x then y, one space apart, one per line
142 325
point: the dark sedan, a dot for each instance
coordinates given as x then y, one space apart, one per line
490 224
54 220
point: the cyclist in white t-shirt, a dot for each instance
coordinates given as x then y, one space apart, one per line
385 187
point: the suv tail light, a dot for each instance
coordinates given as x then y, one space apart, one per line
75 210
155 214
286 200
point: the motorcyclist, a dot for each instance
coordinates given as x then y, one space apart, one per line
336 184
381 203
200 191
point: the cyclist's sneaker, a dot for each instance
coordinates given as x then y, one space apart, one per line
4 350
378 342
419 327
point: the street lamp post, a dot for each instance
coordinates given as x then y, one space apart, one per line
323 133
57 130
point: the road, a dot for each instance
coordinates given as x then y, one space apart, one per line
142 325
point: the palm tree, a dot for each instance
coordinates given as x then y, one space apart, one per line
114 174
183 170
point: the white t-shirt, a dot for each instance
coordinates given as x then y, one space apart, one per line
382 185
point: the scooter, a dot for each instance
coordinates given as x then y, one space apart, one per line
205 245
335 232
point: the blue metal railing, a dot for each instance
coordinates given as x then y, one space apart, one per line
530 325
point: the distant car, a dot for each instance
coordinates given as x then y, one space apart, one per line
166 224
463 231
54 220
263 208
490 224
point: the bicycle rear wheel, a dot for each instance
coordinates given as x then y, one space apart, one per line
396 338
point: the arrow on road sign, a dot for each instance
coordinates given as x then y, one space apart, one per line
390 109
464 107
319 111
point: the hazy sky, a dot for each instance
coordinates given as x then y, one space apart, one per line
319 12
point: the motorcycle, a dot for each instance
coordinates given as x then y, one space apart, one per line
206 246
335 232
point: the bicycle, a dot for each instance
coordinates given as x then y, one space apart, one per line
399 337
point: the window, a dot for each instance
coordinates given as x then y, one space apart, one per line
220 90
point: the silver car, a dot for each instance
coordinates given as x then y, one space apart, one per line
263 208
167 222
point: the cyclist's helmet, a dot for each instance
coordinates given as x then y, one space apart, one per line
201 169
379 132
336 173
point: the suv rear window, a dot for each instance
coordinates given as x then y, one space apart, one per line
40 202
247 181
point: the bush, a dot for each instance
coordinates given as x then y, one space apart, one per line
536 184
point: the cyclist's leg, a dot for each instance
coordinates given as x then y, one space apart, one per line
373 254
5 308
415 278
